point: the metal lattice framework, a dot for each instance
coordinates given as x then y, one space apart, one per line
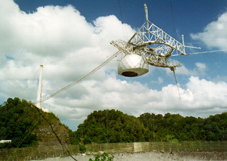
149 33
152 43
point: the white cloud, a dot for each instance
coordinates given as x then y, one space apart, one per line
215 33
58 37
199 98
51 31
206 95
159 81
220 79
24 89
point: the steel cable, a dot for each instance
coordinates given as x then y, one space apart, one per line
80 79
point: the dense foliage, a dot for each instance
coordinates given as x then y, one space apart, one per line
19 121
174 126
110 126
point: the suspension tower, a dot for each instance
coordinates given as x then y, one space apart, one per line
39 93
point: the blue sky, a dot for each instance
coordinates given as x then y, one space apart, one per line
72 37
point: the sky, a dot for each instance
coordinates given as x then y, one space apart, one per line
72 37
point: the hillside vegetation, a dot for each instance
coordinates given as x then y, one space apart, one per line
111 126
22 122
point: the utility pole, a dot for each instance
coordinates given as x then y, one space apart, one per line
39 93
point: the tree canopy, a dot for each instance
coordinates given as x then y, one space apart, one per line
19 122
189 128
112 126
15 122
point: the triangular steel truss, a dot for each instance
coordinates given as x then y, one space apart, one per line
155 45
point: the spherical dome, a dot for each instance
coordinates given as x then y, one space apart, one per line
132 65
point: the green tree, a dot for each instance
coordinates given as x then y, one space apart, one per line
112 126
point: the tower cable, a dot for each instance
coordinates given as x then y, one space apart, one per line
176 82
59 140
173 18
81 79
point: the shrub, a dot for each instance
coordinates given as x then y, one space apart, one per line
103 157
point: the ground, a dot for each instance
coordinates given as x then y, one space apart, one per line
151 156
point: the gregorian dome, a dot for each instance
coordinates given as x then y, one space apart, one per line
132 65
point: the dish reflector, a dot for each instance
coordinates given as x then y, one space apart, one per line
132 65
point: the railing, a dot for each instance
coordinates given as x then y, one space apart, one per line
41 152
34 153
209 146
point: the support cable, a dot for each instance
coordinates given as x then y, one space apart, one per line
207 52
59 140
176 81
212 51
173 18
29 130
122 21
82 78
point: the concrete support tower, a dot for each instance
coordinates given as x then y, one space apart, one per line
39 93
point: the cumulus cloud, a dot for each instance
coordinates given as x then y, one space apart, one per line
220 79
51 31
58 37
134 98
207 94
215 33
159 81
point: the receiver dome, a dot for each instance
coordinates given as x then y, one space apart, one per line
132 65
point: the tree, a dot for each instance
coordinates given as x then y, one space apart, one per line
112 126
20 120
